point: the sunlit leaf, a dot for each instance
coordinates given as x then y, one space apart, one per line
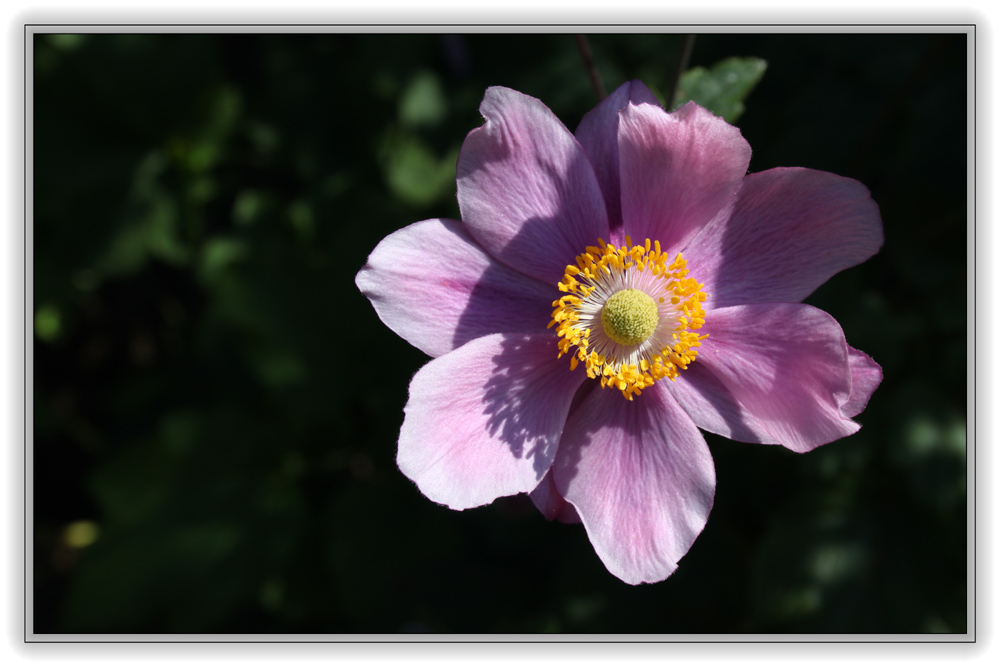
722 88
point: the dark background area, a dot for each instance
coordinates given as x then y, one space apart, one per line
216 406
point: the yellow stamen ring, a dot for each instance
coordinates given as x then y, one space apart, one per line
630 314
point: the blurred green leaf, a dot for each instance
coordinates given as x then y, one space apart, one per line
278 367
930 445
414 173
81 534
195 513
302 219
818 569
68 42
722 88
149 226
219 253
423 102
249 206
48 322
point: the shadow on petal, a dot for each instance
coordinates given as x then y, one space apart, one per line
526 400
504 301
484 420
712 405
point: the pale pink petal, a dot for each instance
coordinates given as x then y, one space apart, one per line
678 170
551 504
785 233
526 189
435 287
773 374
641 478
484 420
598 134
713 406
866 375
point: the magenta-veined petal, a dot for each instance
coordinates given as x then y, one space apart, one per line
526 189
641 478
598 134
866 376
678 170
435 287
785 233
550 502
773 374
484 420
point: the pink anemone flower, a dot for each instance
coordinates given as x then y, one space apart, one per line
606 295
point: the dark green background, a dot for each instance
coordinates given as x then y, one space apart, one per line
214 396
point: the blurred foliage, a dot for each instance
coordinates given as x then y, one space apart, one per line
722 88
216 406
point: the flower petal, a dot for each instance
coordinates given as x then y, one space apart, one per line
866 376
677 171
598 135
435 287
484 420
773 374
641 478
713 406
785 233
551 504
526 189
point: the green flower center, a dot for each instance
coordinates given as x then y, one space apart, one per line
630 317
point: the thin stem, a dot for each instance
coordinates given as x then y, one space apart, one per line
683 57
588 62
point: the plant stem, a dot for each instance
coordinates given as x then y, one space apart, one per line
683 57
588 62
